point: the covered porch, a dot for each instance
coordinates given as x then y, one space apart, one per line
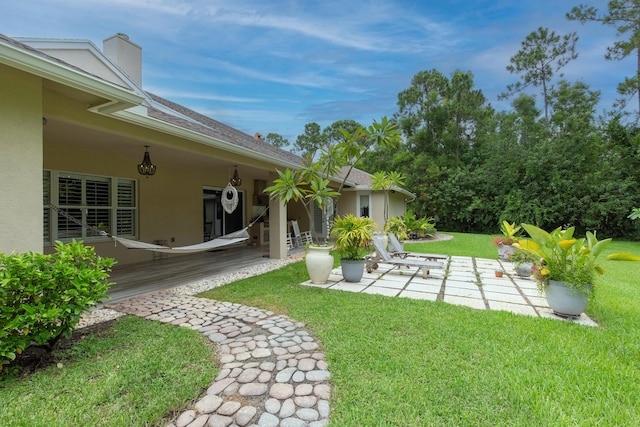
165 273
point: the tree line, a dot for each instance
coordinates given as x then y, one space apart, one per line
557 164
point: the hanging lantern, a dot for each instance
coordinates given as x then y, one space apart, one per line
235 180
146 168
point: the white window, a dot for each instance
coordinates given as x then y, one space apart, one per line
363 205
108 203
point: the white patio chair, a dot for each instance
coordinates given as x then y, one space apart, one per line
383 256
396 249
300 238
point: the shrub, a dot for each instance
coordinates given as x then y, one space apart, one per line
43 296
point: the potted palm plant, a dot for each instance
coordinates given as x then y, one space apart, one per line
353 237
506 241
567 266
316 182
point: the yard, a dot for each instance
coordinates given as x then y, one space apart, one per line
394 361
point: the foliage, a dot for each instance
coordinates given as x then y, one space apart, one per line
353 236
418 227
635 213
410 226
277 140
386 182
542 54
310 142
396 226
562 257
312 182
43 296
624 15
521 256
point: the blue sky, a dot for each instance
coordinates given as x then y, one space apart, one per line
273 66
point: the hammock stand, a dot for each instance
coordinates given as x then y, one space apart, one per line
219 242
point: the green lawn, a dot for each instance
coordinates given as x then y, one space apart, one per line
401 362
134 374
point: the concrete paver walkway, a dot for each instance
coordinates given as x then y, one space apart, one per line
464 281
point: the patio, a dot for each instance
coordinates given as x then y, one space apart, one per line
457 284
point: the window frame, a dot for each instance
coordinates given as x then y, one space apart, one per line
113 208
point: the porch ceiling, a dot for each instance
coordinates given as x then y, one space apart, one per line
74 135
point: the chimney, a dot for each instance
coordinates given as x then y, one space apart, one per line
125 54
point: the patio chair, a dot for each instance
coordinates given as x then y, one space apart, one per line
384 256
396 249
300 238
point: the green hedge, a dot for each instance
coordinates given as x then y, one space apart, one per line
43 296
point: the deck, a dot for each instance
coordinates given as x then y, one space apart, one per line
176 270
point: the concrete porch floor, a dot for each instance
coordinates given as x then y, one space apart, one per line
464 281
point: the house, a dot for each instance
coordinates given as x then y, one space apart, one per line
76 123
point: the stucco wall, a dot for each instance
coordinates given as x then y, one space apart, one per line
170 202
20 162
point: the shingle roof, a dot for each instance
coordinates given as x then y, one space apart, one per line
194 121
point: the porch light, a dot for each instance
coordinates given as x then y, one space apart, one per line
235 180
146 167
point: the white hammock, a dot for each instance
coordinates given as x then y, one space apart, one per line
226 240
219 242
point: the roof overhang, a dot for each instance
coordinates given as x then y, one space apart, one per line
39 64
139 117
392 189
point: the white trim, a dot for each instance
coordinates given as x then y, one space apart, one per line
57 71
358 206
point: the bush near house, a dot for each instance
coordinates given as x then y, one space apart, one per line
43 296
410 226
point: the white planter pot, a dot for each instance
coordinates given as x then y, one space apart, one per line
319 263
564 301
352 269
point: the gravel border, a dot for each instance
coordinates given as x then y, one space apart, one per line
99 315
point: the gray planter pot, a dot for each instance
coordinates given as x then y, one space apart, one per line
504 251
352 270
564 301
525 269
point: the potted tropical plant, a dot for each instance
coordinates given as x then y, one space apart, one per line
567 266
353 237
506 241
316 182
524 262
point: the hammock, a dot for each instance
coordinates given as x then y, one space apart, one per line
226 240
219 242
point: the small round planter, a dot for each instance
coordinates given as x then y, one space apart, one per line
499 273
319 262
352 270
504 251
565 301
525 269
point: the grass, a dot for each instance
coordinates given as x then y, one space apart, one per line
133 375
394 361
398 362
